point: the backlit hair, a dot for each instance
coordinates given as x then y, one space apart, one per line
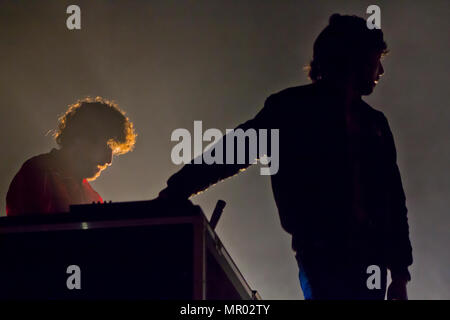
97 118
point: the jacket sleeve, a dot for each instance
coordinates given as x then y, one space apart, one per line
400 250
195 178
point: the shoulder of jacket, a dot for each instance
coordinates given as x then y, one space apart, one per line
292 92
375 113
292 98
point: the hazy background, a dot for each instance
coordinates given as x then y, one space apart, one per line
168 63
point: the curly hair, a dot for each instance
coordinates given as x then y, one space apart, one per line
97 117
345 42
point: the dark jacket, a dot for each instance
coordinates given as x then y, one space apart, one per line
312 186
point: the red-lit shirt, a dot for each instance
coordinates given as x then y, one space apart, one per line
44 185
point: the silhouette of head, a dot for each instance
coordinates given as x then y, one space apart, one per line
91 132
347 51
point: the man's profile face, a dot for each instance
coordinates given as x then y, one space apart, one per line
95 156
369 74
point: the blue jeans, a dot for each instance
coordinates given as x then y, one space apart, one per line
337 278
305 285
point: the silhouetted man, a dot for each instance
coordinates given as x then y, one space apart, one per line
338 188
89 133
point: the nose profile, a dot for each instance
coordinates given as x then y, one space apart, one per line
380 70
108 156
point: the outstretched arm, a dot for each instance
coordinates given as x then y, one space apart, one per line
195 178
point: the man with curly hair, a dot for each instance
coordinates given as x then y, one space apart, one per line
88 135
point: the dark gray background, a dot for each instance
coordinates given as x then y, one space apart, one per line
168 63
